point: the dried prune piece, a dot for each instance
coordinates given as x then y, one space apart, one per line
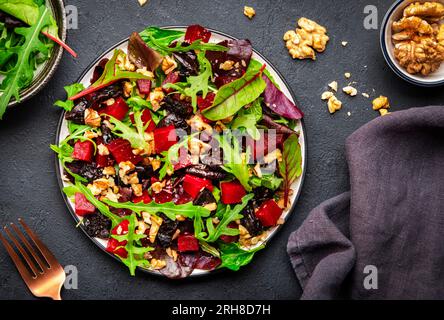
144 172
166 232
89 171
188 65
77 114
107 135
206 171
10 21
126 194
204 198
181 108
173 119
261 194
97 225
250 222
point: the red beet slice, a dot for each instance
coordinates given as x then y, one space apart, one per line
82 205
196 32
118 109
83 150
269 213
232 192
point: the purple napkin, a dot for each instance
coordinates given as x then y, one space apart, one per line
385 238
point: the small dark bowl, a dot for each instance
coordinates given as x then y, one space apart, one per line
394 13
45 74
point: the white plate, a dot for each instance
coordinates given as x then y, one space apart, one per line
216 37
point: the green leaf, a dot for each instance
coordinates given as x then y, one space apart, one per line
162 37
254 65
169 209
135 136
234 162
205 246
24 10
234 257
269 181
135 256
21 75
112 73
196 84
290 167
247 118
71 90
233 96
228 215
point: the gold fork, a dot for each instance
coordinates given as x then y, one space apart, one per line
43 275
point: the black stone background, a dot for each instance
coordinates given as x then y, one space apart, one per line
28 184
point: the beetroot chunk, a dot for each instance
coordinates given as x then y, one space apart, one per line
196 32
187 243
118 109
121 150
232 192
144 86
82 205
83 150
164 138
269 213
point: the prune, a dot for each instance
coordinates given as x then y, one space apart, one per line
144 172
175 120
76 115
181 108
188 65
125 194
107 135
261 194
112 91
166 232
186 226
207 172
97 225
250 222
89 171
204 198
10 21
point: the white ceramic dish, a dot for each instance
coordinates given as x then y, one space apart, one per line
394 14
216 37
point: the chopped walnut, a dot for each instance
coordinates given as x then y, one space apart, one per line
172 253
102 150
350 91
158 186
333 85
381 103
109 171
127 89
365 95
141 227
383 112
197 124
326 95
146 73
305 40
334 104
249 12
168 64
156 222
92 118
156 97
137 189
124 63
157 264
90 134
211 206
344 43
142 2
100 185
347 75
227 65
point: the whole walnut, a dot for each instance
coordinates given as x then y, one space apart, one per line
430 11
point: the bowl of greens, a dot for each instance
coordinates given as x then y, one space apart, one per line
31 39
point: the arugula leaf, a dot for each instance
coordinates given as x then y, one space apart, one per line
24 10
70 91
135 137
228 215
135 257
21 75
205 246
196 84
290 167
234 95
234 163
269 181
111 74
161 37
169 209
234 257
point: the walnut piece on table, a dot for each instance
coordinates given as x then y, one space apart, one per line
249 12
305 40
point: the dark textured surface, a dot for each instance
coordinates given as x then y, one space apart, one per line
28 183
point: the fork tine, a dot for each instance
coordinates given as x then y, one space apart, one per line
24 254
29 247
44 251
15 258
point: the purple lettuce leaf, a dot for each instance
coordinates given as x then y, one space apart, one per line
279 103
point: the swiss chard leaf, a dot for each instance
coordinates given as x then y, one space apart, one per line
234 257
24 10
233 96
169 209
22 73
111 74
71 91
290 167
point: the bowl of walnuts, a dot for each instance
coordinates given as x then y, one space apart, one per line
412 41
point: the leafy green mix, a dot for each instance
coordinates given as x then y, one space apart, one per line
241 100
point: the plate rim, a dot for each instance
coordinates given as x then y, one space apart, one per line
205 273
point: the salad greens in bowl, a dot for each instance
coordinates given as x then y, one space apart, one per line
29 55
180 151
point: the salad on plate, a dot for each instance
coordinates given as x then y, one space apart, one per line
181 153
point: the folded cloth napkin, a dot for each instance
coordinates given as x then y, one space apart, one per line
385 238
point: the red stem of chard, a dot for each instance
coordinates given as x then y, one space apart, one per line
61 43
